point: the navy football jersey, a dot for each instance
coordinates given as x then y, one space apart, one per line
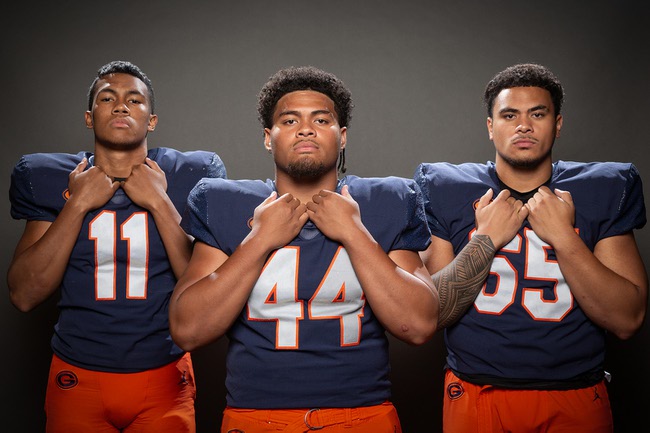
307 337
525 326
116 289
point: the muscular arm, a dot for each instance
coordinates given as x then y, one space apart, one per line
396 285
459 279
214 289
42 254
610 284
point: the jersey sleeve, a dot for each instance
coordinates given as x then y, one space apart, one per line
185 169
195 217
39 185
630 211
392 210
21 195
424 178
416 235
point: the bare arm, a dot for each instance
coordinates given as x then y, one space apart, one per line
42 254
459 279
610 284
214 289
147 187
396 285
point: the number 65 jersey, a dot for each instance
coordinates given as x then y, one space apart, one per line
307 337
116 288
525 328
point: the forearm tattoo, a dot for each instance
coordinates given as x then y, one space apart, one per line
459 282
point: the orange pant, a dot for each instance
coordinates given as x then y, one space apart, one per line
372 419
160 400
469 408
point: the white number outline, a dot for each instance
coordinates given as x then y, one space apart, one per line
338 297
134 230
537 267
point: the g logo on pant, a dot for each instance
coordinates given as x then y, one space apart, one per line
455 391
66 379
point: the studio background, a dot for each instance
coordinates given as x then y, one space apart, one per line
416 70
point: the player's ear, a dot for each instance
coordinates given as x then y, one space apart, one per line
558 125
489 128
344 137
267 140
153 121
88 117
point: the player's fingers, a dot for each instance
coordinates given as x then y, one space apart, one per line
564 195
270 198
153 164
485 199
544 191
345 191
81 166
523 212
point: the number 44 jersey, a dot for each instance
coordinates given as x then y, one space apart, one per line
116 288
525 327
307 337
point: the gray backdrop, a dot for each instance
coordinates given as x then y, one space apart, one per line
416 70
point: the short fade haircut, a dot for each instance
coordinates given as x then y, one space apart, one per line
304 78
121 67
524 75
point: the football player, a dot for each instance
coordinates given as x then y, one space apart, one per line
103 227
306 273
528 354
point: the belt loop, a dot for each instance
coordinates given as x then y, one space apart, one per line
306 419
348 417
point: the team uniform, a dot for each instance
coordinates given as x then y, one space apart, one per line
114 299
307 338
525 330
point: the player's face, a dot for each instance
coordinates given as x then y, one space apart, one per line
306 137
121 113
524 126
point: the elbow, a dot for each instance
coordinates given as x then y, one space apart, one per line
183 339
629 329
23 303
417 335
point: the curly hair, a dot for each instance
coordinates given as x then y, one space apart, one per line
524 75
303 78
121 67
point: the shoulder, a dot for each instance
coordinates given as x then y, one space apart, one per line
600 173
391 185
437 173
45 170
39 182
225 190
198 163
49 162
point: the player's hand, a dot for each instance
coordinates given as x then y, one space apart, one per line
146 186
90 189
278 220
337 216
500 218
551 214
